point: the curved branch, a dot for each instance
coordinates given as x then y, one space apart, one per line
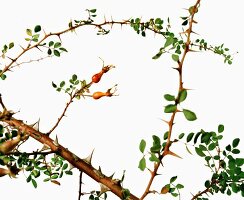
73 159
171 122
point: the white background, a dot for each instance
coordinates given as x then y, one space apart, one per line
115 126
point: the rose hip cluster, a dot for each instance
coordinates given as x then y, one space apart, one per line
96 78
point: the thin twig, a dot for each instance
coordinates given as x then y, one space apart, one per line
1 102
62 115
30 61
80 183
70 29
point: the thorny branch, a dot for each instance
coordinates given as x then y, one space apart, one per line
62 115
58 34
171 122
73 159
80 183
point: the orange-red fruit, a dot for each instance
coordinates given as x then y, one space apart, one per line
97 77
98 95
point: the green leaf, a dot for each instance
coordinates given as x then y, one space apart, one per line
11 45
236 151
37 28
54 85
203 148
156 140
125 194
199 152
34 183
63 49
158 21
216 157
235 142
51 43
69 172
142 164
205 138
182 95
3 76
166 135
189 115
170 108
56 53
181 135
228 192
65 166
29 32
142 145
212 146
189 137
234 187
239 161
93 10
197 136
157 55
174 194
57 45
169 97
154 158
228 148
14 133
62 84
35 173
54 176
155 148
185 23
172 179
168 41
1 129
49 51
179 186
175 57
207 184
74 77
221 128
28 178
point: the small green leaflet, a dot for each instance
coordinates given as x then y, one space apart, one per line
154 158
142 164
37 28
169 97
182 95
221 128
170 108
175 57
168 41
29 32
189 115
199 152
142 145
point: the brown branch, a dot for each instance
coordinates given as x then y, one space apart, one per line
1 102
70 29
62 115
17 153
73 159
166 150
80 183
213 182
30 61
